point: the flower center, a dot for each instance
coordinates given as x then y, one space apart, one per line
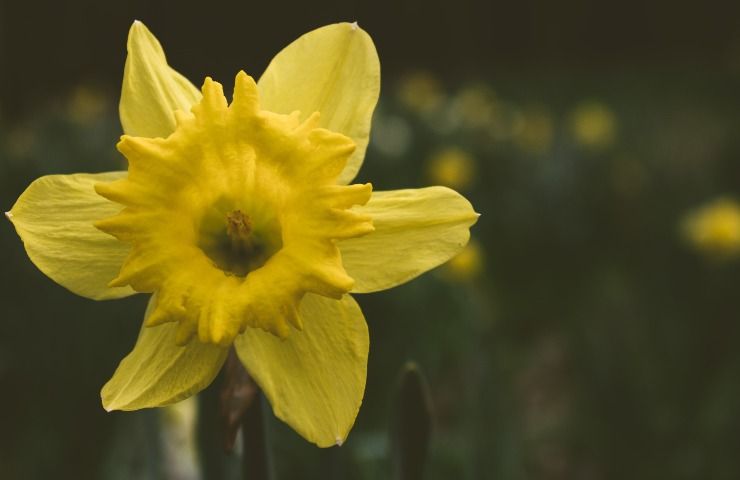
236 243
238 226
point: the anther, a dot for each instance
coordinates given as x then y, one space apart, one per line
238 224
239 228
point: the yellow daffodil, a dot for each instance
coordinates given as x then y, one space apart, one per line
593 125
466 265
714 228
421 92
452 167
239 218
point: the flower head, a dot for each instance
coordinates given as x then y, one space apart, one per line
714 228
240 220
234 217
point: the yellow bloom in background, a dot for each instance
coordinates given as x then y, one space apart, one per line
86 104
468 264
421 92
240 220
715 227
452 167
475 107
593 125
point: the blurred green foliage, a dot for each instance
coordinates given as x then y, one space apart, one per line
584 338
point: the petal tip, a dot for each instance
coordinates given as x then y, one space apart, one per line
245 84
354 26
137 26
123 144
339 439
106 402
9 215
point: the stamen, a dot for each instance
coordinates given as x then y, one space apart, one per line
239 226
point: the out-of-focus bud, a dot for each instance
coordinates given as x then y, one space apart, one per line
411 426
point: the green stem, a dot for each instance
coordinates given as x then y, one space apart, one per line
255 461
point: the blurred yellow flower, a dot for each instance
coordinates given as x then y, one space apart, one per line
452 167
241 221
86 104
593 125
420 92
715 228
468 264
474 107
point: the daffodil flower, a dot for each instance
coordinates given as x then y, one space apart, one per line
240 220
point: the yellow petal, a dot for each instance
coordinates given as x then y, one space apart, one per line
415 231
54 218
152 91
333 70
159 372
314 379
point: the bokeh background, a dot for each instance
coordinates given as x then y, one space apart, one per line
590 331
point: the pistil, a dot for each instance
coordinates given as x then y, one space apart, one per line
239 228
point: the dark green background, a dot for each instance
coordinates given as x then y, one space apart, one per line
595 345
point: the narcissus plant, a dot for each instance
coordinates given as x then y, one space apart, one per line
240 220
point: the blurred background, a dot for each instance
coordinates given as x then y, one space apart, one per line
589 331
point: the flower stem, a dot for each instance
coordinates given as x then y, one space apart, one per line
255 461
241 408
